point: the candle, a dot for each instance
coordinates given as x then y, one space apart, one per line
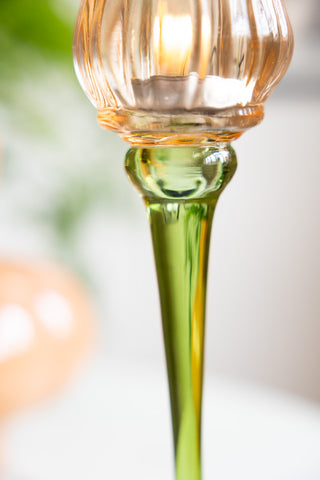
174 88
172 45
164 93
172 41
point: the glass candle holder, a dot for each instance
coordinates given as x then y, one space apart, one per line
179 80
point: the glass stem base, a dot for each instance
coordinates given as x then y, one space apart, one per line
180 187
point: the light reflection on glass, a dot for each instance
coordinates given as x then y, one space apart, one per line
17 331
266 18
239 19
55 313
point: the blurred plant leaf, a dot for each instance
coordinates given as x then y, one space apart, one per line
72 201
35 39
35 25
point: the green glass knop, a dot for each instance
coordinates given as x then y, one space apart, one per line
181 186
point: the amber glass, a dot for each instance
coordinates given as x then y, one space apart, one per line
192 71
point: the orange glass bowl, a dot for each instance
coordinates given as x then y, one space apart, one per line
182 71
46 329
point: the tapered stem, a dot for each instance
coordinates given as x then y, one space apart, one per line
181 241
181 187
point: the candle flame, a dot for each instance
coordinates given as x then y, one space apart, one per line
172 41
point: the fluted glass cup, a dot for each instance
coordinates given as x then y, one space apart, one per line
181 79
191 69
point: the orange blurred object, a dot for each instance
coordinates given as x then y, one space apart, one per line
46 328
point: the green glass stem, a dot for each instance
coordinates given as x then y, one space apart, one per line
181 186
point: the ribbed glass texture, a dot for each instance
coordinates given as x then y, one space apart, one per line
170 71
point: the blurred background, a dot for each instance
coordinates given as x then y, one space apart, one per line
64 197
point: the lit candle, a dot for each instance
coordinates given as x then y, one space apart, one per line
172 47
173 87
172 41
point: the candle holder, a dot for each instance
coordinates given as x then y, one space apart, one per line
179 80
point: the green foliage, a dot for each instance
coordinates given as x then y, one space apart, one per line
35 106
36 25
75 199
32 32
